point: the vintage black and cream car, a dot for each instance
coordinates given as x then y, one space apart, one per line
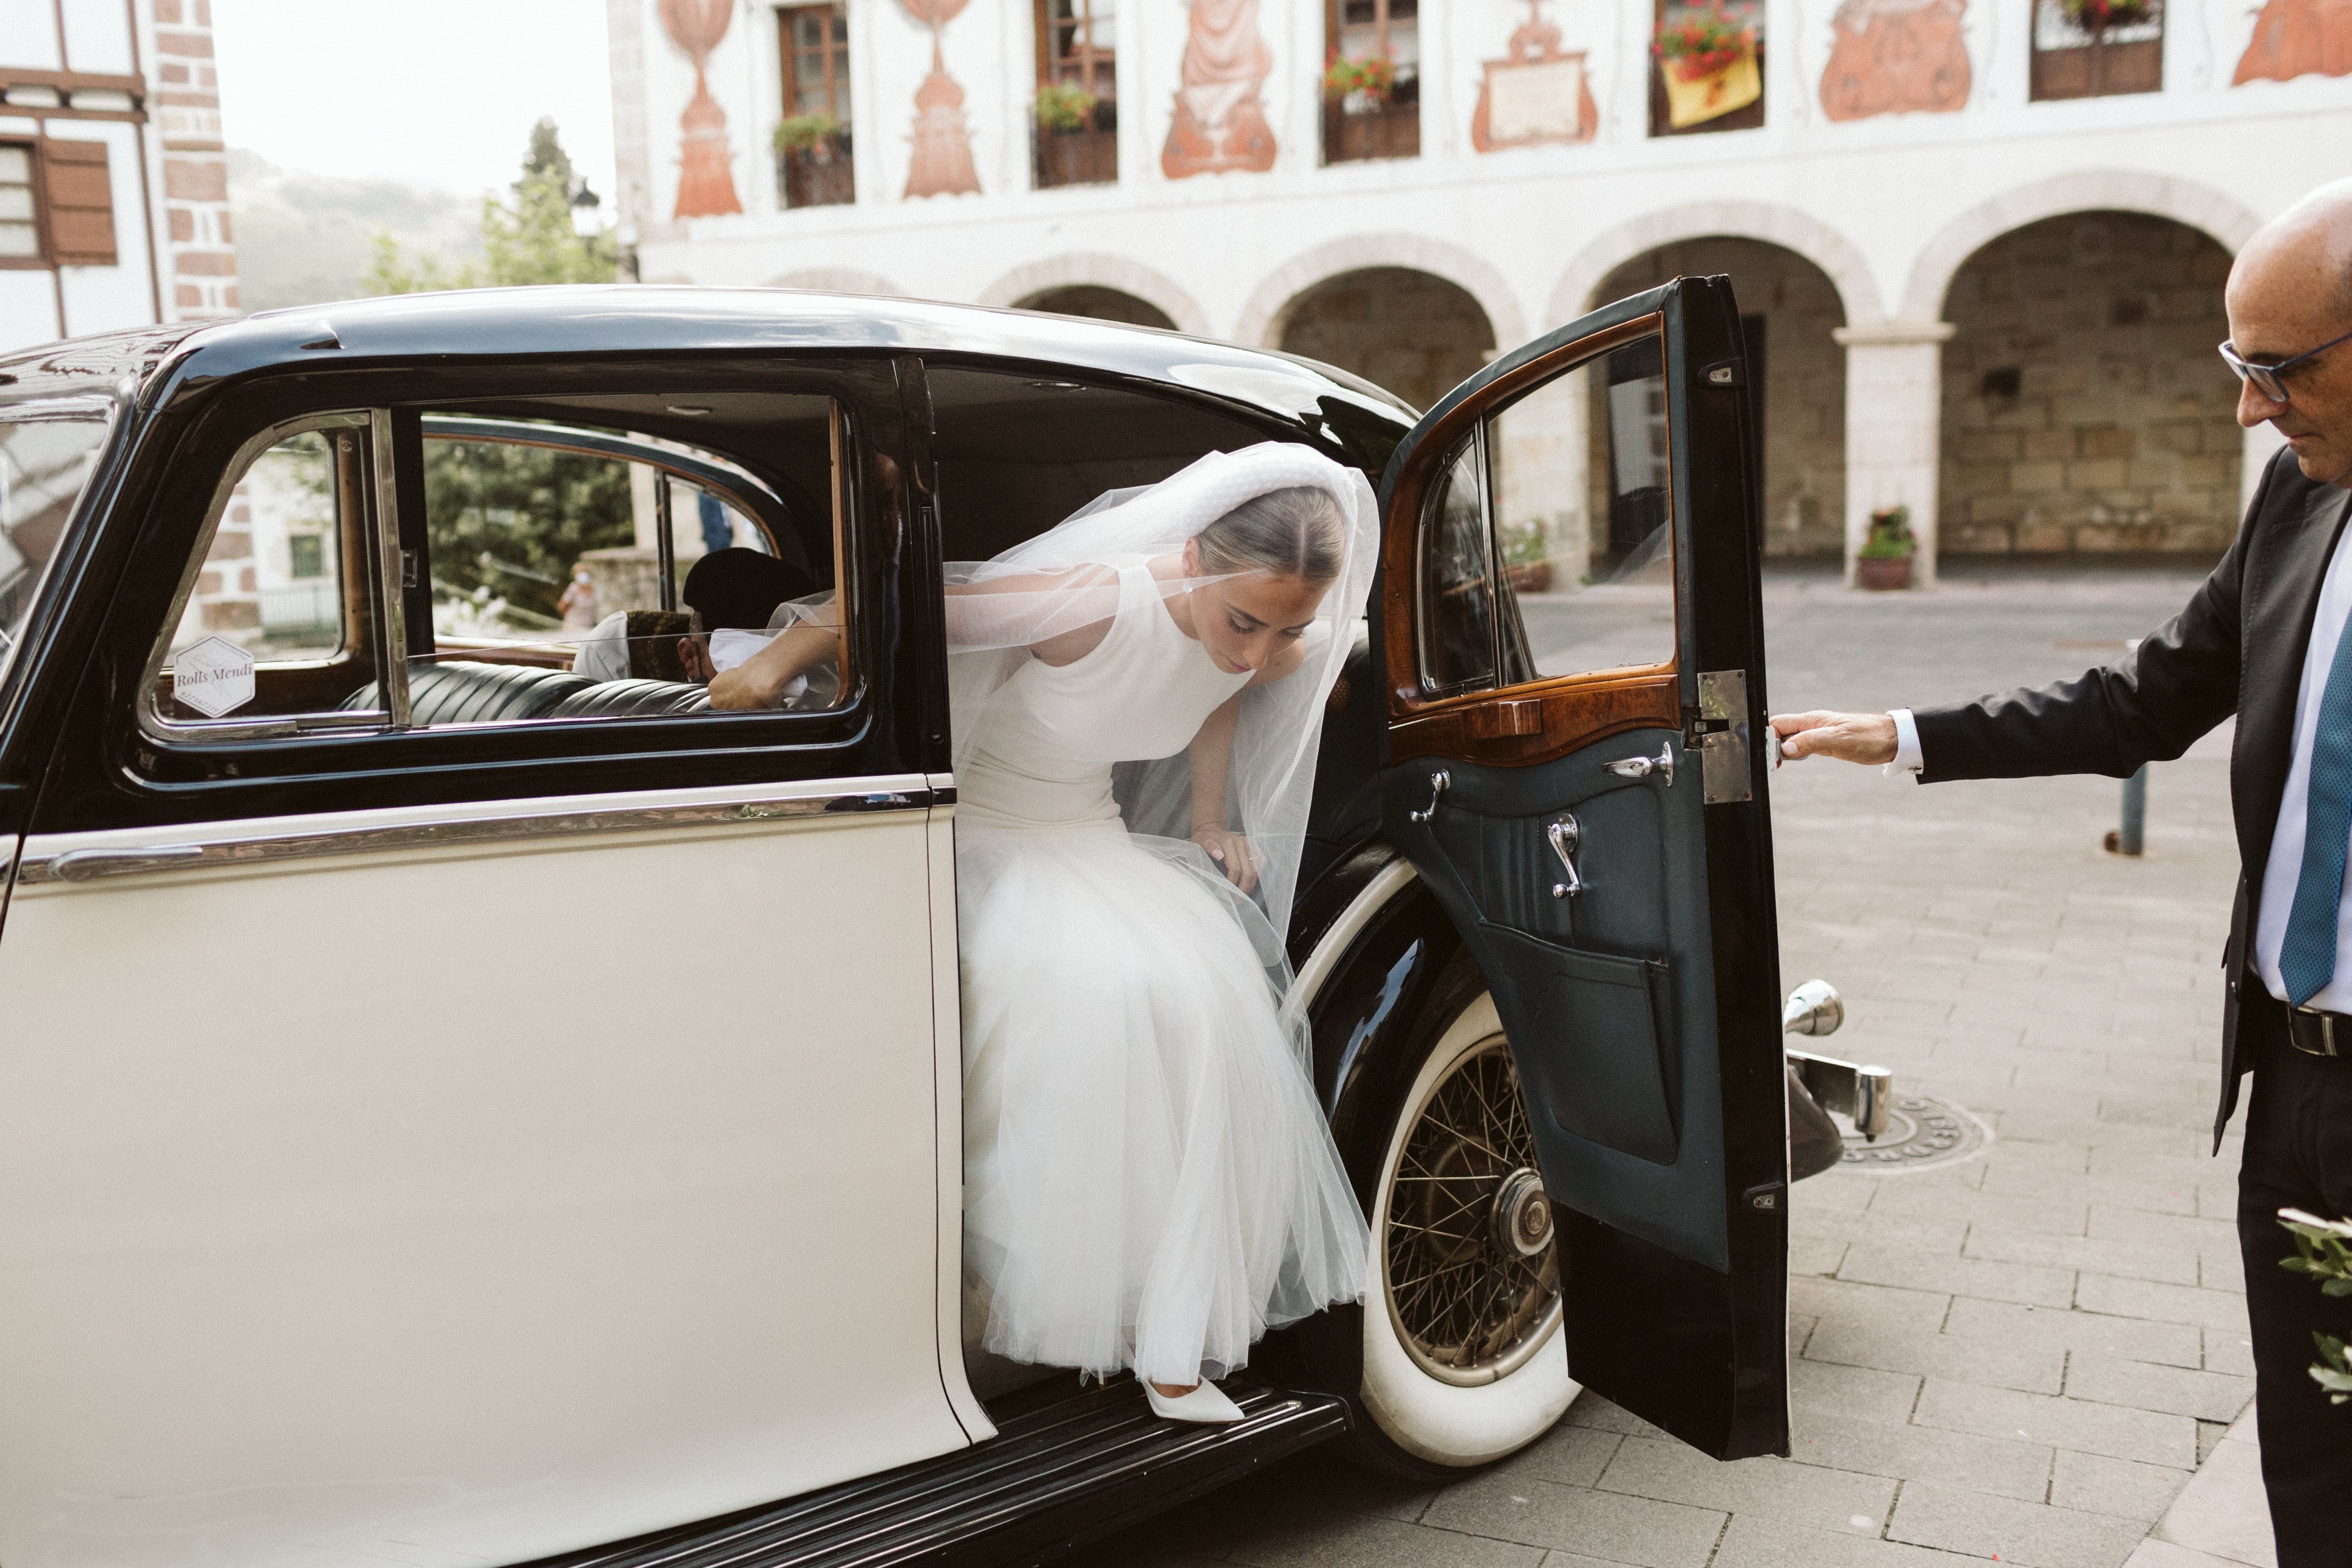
460 1108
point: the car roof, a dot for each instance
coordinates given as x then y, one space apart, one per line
484 325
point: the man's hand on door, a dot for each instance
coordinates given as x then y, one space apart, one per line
1850 737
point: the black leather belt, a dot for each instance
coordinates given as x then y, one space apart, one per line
2318 1034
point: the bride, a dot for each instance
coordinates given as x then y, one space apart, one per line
1137 695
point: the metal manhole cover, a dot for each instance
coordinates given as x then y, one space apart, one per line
1923 1131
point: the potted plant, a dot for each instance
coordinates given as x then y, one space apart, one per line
1709 63
813 165
1884 559
1061 107
1527 556
2095 17
812 134
1359 86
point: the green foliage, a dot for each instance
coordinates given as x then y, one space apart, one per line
1890 537
2324 1250
1374 75
1523 542
799 132
514 519
1061 107
528 238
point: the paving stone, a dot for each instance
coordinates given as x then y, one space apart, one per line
1996 1464
2130 1339
1851 1390
1336 1540
1809 1495
2123 1434
1611 1526
2037 1369
2173 1262
2230 1353
1818 1255
2035 1534
2166 1304
1848 1301
2094 1483
1567 1456
1756 1542
1868 1263
1974 1208
2207 1395
1592 1409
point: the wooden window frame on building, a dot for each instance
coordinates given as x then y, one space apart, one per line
824 174
2101 67
1086 154
1389 129
36 177
1748 117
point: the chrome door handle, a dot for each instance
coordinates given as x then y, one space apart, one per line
1438 781
89 865
1643 767
1565 836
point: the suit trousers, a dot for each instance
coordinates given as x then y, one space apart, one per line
2298 1155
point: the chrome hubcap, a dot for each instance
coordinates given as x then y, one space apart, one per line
1523 1214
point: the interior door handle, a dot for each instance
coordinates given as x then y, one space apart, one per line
1643 767
1565 836
1438 781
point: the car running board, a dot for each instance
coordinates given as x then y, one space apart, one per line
1074 1470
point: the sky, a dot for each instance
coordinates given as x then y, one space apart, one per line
441 93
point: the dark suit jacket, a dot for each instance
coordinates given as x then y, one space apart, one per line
2238 648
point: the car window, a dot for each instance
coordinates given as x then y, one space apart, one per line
569 560
277 621
47 452
1534 564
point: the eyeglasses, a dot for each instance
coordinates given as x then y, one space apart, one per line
2266 377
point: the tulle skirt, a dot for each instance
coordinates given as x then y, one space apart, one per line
1148 1181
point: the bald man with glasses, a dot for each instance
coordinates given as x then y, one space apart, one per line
2263 639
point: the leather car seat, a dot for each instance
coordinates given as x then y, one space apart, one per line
632 698
461 691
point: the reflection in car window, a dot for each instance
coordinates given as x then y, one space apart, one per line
46 455
1626 617
1457 605
271 628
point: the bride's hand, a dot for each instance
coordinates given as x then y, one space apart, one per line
1232 853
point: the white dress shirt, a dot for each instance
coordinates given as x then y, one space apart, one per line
2285 864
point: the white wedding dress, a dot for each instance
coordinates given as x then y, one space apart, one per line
1148 1181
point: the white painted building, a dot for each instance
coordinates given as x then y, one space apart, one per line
1985 255
113 180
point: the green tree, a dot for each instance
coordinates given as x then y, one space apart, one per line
513 519
528 237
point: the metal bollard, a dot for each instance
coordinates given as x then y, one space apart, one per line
2132 837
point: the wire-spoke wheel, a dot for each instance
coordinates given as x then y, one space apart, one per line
1470 1276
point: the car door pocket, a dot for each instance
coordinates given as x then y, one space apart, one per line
1599 1067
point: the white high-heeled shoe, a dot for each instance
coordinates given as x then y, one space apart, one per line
1206 1404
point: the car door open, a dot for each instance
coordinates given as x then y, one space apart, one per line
1572 774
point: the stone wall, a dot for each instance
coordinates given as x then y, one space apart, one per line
200 281
1804 379
1411 333
2084 406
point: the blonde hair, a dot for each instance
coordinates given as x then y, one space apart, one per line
1296 531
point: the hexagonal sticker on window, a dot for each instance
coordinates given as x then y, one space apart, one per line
214 678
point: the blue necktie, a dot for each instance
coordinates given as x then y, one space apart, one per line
2307 957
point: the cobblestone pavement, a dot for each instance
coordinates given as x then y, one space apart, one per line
2023 1356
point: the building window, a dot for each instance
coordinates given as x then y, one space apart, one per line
813 167
20 216
2092 58
1371 80
1706 67
1075 121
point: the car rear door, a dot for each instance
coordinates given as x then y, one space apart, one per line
1571 630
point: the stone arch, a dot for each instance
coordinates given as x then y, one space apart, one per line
1097 304
1414 333
1263 318
1093 269
2223 218
839 281
1787 228
2083 407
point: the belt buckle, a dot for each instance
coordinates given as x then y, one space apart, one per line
2328 1046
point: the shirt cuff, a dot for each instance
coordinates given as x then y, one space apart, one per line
1908 759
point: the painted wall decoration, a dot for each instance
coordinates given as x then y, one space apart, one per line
2298 37
1535 94
941 164
1895 57
705 185
1220 123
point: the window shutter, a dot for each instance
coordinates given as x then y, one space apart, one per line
81 203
